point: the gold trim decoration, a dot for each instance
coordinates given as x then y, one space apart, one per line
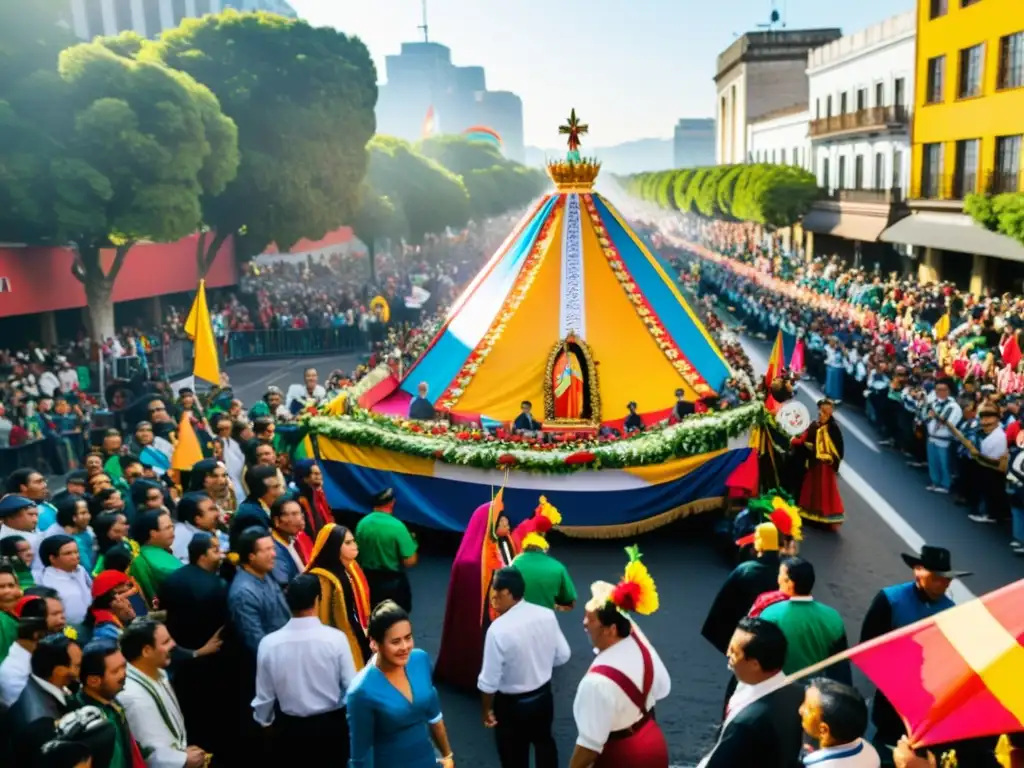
594 391
569 176
643 308
625 530
524 280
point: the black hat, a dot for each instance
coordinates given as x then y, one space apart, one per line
12 504
934 559
384 497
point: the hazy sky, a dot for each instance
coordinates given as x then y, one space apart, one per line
631 68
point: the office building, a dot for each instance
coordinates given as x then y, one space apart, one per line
95 18
966 138
693 143
780 137
759 73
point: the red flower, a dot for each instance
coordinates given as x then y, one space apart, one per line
507 460
462 435
477 436
580 457
436 429
415 428
626 595
438 454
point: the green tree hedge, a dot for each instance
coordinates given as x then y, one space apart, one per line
1000 213
773 195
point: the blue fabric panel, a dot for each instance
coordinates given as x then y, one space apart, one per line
442 363
677 322
448 504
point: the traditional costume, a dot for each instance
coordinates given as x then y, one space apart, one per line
315 509
468 611
344 593
614 706
819 495
151 566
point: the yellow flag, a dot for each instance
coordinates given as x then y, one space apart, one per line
942 327
199 328
187 452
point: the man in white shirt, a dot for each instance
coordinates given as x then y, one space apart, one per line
37 618
836 716
63 572
522 648
150 705
992 459
304 669
943 412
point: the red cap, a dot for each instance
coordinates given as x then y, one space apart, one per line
543 524
108 580
745 541
20 605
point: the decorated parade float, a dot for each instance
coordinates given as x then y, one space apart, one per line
575 315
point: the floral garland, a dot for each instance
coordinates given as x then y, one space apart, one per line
369 381
698 434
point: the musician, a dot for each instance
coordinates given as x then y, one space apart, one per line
942 415
991 456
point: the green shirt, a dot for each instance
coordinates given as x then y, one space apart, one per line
384 542
813 631
121 756
8 633
547 581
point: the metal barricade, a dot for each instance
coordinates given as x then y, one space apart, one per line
249 345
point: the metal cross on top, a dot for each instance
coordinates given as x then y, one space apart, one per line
573 128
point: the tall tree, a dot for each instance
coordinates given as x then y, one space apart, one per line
303 99
376 218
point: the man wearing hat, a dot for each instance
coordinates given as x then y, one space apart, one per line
386 550
19 516
899 606
111 610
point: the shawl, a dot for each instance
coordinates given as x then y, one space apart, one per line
333 611
316 510
150 567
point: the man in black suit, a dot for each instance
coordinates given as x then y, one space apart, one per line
762 727
31 721
524 421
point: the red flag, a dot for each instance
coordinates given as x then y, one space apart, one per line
953 676
1010 350
776 363
796 362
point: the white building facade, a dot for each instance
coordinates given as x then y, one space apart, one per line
860 90
95 18
781 137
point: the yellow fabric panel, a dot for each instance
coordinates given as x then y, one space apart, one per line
656 474
514 370
630 365
375 458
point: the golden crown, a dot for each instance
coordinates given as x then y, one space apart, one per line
571 176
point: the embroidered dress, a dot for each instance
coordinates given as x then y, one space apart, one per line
819 496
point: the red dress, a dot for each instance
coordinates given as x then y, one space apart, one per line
819 495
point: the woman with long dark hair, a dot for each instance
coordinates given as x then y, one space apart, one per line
110 529
344 593
309 481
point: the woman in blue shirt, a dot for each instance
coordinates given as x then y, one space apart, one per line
394 712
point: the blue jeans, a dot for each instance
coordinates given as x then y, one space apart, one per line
834 382
1018 523
940 459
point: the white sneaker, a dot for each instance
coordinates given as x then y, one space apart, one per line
981 519
940 489
1014 544
932 488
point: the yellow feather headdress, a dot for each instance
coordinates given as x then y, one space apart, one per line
636 592
535 540
548 510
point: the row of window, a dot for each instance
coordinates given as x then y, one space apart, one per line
123 18
878 179
797 157
964 179
971 70
860 101
939 8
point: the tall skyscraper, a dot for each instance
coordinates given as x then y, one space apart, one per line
94 18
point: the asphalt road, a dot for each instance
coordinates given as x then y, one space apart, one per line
888 512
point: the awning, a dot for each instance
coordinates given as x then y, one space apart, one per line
851 226
952 232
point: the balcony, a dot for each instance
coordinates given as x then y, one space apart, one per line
955 187
864 196
861 121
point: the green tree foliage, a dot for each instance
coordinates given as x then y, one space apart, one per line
773 195
1003 213
429 196
377 217
303 99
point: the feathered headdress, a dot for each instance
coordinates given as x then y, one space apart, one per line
636 592
546 510
775 507
535 540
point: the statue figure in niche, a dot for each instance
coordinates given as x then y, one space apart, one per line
569 384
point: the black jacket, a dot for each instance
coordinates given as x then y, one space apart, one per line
766 734
31 723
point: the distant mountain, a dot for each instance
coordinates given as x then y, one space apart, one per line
629 157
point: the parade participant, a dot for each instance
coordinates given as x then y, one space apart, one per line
614 704
154 532
819 496
545 517
10 594
110 611
743 586
309 481
265 487
523 646
64 573
944 414
835 715
294 547
386 551
761 727
210 476
548 583
197 513
389 730
19 516
991 458
899 606
468 609
344 593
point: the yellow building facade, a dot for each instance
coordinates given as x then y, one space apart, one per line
956 100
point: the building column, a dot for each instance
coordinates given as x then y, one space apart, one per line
48 328
808 246
156 311
928 268
980 277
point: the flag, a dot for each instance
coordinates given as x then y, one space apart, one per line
953 676
199 328
796 362
429 123
776 363
1009 350
942 327
187 452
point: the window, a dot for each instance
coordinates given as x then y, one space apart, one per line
936 75
972 64
842 173
1011 61
938 8
965 176
899 93
796 155
828 106
879 170
966 3
773 157
824 175
858 172
897 169
862 99
879 94
931 170
842 103
782 161
817 109
151 12
1007 175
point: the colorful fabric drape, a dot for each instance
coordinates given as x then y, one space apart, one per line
776 362
568 386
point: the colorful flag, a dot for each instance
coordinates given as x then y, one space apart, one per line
942 327
429 123
796 362
776 363
953 676
199 328
187 452
1009 350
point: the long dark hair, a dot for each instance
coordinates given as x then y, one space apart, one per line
101 525
329 558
